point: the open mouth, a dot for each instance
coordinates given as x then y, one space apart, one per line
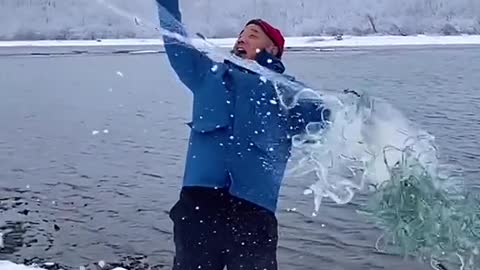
240 52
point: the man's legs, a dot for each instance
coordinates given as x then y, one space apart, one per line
254 237
199 230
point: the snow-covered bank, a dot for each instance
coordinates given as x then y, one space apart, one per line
292 42
6 265
86 19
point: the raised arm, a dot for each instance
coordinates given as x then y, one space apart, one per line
190 64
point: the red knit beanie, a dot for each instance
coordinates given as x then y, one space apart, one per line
273 33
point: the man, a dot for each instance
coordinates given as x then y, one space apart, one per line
240 143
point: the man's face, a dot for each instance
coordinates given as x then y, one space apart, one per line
252 40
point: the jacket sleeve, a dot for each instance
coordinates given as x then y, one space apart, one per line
189 64
308 111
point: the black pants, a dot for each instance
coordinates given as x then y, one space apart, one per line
213 229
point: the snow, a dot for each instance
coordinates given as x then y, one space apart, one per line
101 264
7 265
368 41
291 42
87 19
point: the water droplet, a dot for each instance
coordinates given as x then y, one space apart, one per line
201 117
201 221
231 115
274 102
269 60
228 101
258 102
119 73
270 149
197 207
256 132
214 68
217 126
221 144
105 131
307 192
269 113
232 137
95 132
258 50
28 186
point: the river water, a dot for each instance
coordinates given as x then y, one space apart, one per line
92 151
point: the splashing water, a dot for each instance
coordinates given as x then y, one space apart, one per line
367 143
361 143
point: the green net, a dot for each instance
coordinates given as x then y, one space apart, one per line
421 218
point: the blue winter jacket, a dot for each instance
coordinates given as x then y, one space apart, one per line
240 137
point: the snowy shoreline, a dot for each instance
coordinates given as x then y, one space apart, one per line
6 265
291 42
